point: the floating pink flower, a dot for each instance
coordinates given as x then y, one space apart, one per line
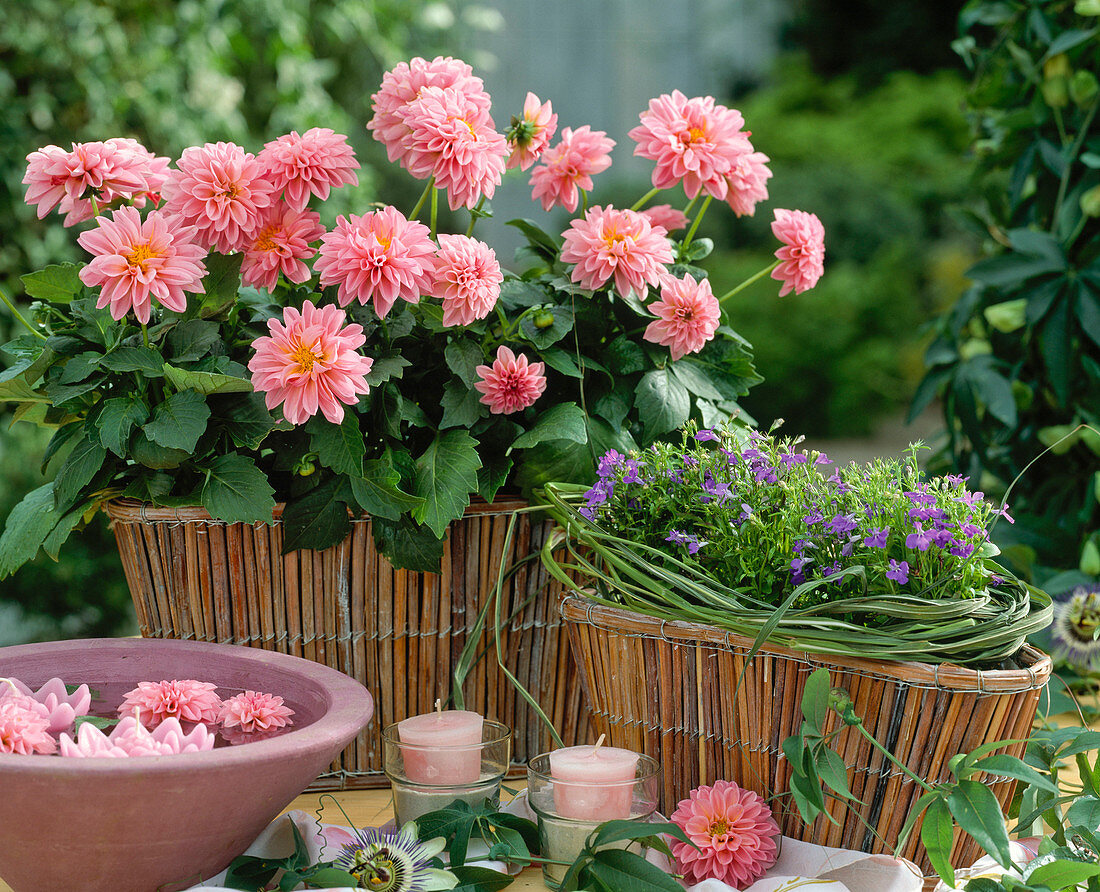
688 316
253 711
152 702
510 384
24 730
379 257
803 253
310 362
452 138
59 706
733 830
623 244
221 190
130 738
693 141
748 183
134 261
281 245
570 166
71 180
403 84
467 279
311 164
665 216
531 134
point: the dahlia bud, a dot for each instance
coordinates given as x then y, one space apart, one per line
1090 202
544 319
1083 87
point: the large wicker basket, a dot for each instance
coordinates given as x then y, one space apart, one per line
399 632
666 689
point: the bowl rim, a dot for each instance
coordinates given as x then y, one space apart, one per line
350 708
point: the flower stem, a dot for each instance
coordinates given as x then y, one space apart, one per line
145 333
474 214
435 211
423 197
889 755
698 220
747 282
584 201
644 200
34 331
1074 149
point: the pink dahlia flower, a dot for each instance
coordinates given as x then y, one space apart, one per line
570 166
693 141
467 279
130 738
688 315
280 245
803 253
153 169
748 183
531 134
92 170
510 384
55 701
310 361
24 730
665 216
452 138
403 84
623 244
134 261
380 257
152 702
253 711
734 831
314 163
221 190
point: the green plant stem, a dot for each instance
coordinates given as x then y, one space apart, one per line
1063 185
435 211
691 205
423 197
584 201
889 755
747 282
34 331
644 200
474 214
145 333
698 220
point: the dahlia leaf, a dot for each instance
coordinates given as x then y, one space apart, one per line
662 401
463 357
117 419
135 359
191 340
338 446
376 491
82 464
564 421
462 407
28 525
236 491
205 382
319 519
58 283
408 545
547 326
179 421
446 474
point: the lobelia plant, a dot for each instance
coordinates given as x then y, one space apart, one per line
212 353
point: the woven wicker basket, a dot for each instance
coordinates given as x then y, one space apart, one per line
666 689
399 632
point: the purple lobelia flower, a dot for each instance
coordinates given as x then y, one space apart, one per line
919 539
899 571
706 435
842 523
631 475
609 463
877 538
693 543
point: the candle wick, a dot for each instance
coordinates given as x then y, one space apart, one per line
599 743
438 705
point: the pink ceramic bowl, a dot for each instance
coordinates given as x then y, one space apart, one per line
163 823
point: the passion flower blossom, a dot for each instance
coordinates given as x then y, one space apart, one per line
394 861
452 138
152 702
60 707
569 166
403 84
530 134
23 730
688 315
310 362
748 183
467 279
511 383
1076 628
281 245
733 831
253 711
616 243
221 190
665 216
134 261
379 257
693 141
313 163
802 257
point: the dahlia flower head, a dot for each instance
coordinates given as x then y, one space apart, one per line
24 730
379 257
511 383
569 166
733 831
620 244
467 278
313 163
134 261
688 315
52 700
802 257
221 190
281 246
403 84
531 133
666 216
255 712
131 738
310 362
153 702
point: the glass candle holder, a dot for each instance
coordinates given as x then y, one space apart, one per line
430 788
557 804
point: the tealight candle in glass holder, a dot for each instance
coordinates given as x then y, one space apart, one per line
572 791
430 767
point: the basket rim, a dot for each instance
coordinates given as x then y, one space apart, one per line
577 608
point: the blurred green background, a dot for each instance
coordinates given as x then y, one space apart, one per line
859 105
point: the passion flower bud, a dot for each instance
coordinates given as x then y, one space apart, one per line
839 699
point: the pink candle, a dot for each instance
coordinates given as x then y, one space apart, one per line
445 747
593 783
